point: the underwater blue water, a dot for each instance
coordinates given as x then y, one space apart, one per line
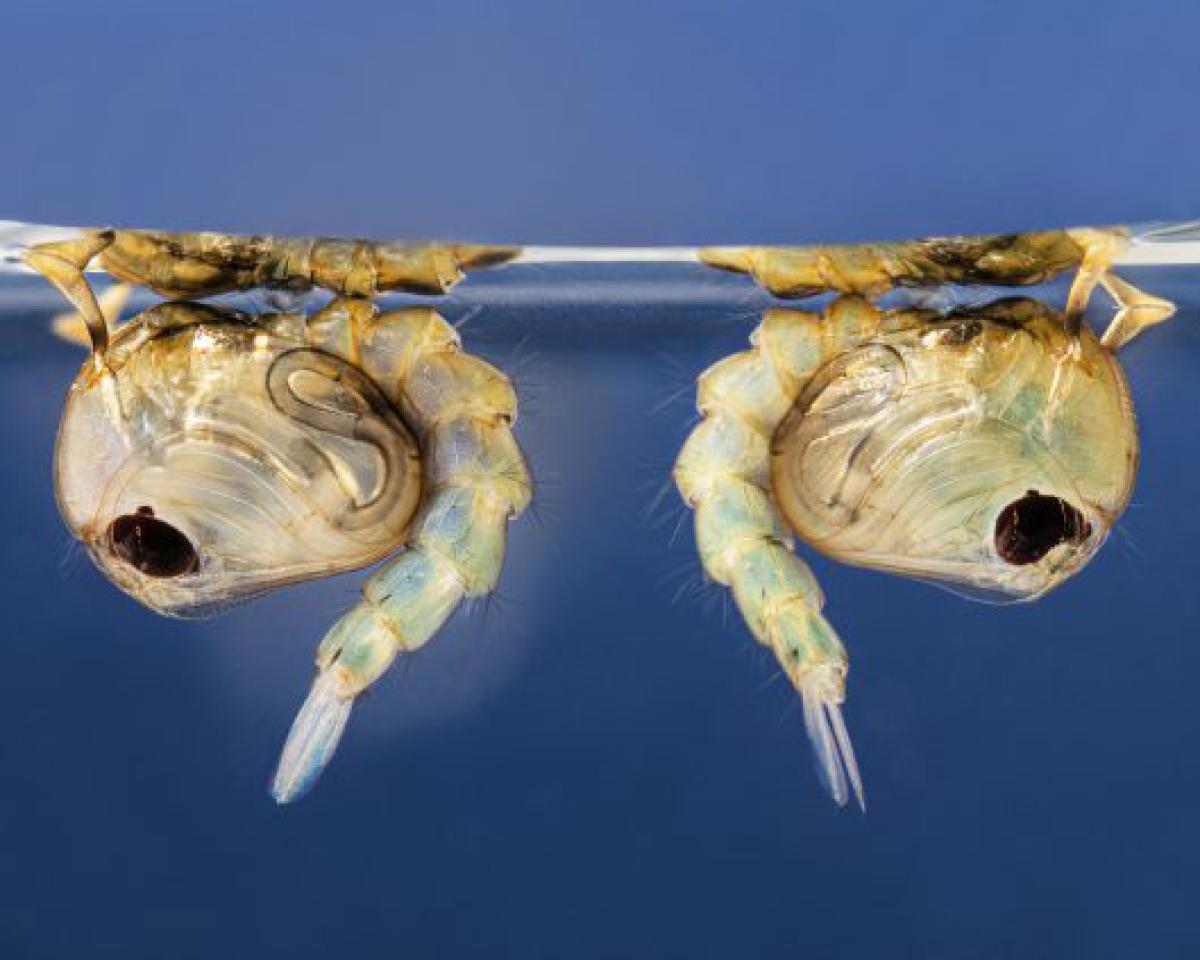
602 763
626 121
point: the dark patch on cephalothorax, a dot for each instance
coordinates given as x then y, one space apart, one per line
1011 258
957 333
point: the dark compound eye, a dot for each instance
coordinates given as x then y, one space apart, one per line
152 546
1029 528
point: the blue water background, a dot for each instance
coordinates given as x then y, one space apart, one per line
601 763
578 120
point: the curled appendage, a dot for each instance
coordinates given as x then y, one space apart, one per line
63 263
72 326
462 410
723 474
1136 310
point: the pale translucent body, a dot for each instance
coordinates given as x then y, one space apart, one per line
895 440
287 446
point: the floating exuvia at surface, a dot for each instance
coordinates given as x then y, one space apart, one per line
208 455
